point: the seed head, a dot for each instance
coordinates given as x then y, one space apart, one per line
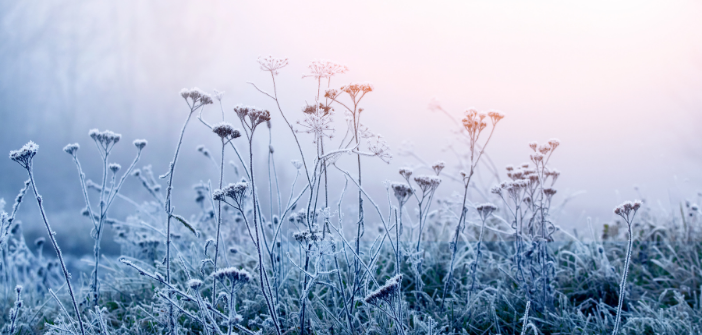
496 190
554 143
272 64
357 88
325 69
406 172
485 210
24 155
544 148
402 192
225 131
218 95
71 149
140 144
438 167
194 283
385 292
218 195
427 183
237 191
114 167
104 138
197 96
549 192
495 116
533 145
537 157
626 208
39 242
234 275
296 163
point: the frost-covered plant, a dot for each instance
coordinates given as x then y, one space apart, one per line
105 142
25 158
627 211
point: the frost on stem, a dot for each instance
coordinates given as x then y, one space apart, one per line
385 292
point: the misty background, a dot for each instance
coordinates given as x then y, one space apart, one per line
620 84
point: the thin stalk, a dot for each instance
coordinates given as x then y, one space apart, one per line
56 248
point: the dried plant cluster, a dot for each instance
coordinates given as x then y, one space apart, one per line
262 258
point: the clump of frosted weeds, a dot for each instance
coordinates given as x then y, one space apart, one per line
257 256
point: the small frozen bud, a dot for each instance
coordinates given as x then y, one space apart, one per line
39 242
270 149
194 283
140 144
71 149
297 164
114 167
136 173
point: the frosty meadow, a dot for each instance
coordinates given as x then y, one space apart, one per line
260 257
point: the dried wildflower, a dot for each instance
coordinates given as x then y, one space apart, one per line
533 145
197 96
473 122
296 163
496 190
24 155
544 148
427 183
218 95
627 208
218 195
325 69
357 88
549 192
225 131
484 210
406 172
319 125
306 237
402 192
237 191
385 292
104 138
194 284
331 93
309 109
509 168
234 275
438 167
495 116
140 144
554 143
71 149
272 64
114 167
537 157
255 116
